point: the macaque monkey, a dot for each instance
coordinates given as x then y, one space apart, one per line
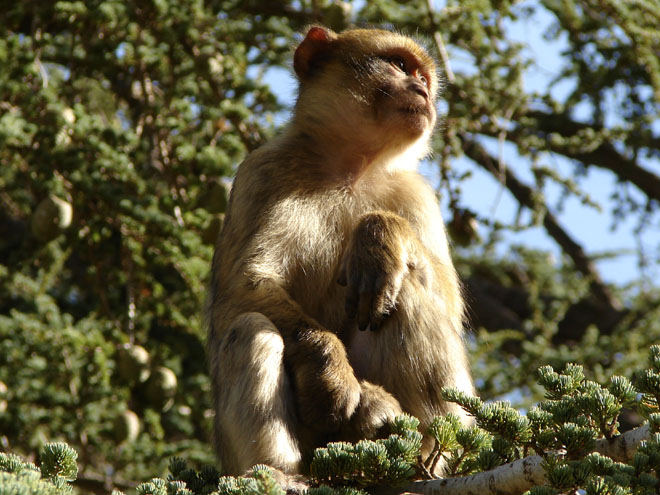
334 304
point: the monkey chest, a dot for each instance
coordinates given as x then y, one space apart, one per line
314 268
312 249
305 241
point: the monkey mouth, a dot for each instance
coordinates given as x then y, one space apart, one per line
415 110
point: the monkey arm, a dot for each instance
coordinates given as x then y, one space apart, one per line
385 251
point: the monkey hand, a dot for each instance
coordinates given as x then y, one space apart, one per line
326 387
376 410
379 257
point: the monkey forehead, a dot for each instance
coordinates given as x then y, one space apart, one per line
381 42
380 39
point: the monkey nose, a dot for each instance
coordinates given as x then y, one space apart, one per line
419 89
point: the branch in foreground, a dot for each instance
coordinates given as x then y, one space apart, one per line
518 476
525 196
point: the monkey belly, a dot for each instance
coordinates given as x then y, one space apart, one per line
391 358
359 348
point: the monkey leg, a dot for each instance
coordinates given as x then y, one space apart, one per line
410 299
254 420
327 391
416 352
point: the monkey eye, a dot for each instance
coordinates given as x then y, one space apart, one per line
424 80
397 62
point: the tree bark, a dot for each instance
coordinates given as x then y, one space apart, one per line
605 155
515 477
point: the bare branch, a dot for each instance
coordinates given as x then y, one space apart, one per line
440 45
525 196
604 156
445 57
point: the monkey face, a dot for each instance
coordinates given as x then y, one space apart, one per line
392 80
402 93
387 97
371 88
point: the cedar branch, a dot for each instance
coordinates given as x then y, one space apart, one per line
605 155
518 476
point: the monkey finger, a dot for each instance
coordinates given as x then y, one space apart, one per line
365 304
352 297
381 292
381 311
378 313
379 319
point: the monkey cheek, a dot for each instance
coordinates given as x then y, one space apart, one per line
399 108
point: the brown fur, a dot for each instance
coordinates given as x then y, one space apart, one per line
330 229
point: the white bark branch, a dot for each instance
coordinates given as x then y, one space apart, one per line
515 477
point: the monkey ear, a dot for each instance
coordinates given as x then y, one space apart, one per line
313 48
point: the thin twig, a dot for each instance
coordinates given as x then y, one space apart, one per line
525 196
440 45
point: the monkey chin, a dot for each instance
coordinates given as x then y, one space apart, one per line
407 123
407 117
417 120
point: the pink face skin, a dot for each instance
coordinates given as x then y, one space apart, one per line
406 91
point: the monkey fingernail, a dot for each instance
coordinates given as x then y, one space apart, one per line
363 315
363 319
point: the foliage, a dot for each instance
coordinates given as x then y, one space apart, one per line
118 121
390 461
562 429
58 469
121 123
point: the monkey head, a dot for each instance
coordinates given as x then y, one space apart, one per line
371 87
